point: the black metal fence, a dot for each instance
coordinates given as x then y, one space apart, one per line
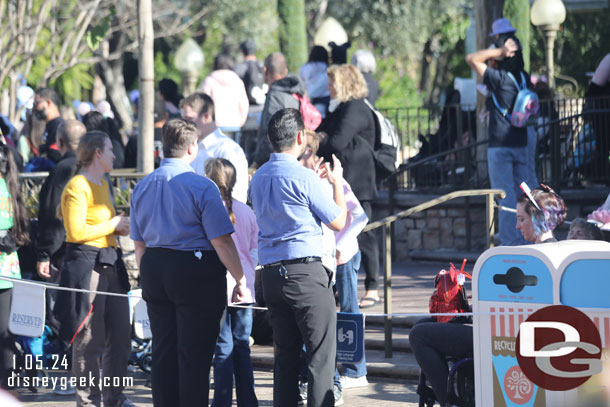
441 150
123 183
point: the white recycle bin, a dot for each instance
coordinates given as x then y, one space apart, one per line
511 283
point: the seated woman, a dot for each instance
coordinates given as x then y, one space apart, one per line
539 214
432 342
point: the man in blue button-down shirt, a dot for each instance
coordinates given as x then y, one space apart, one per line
182 235
291 203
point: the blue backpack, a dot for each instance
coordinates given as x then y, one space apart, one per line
525 109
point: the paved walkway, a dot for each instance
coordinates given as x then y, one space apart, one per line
378 393
412 286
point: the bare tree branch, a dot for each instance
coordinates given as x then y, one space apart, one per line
57 31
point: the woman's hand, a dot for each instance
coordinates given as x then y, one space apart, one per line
43 269
336 174
509 48
121 224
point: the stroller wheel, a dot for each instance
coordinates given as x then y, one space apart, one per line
145 363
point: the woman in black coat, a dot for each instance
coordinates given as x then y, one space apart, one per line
350 135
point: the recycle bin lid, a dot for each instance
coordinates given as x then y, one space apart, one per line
584 282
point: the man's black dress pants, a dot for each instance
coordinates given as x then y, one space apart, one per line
186 298
302 311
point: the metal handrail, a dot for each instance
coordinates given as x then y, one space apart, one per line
386 223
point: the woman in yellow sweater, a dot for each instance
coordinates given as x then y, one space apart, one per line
97 325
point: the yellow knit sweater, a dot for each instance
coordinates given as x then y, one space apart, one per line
87 211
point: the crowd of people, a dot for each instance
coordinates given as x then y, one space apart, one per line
201 225
295 201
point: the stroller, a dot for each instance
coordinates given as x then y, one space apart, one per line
141 343
34 356
141 353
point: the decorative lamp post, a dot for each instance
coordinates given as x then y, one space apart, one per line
189 60
547 15
330 31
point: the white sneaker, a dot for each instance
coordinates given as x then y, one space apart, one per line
353 382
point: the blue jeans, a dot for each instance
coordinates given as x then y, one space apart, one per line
232 357
508 167
347 288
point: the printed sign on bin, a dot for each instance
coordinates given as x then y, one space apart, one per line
584 283
509 285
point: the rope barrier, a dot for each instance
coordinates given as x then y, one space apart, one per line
397 314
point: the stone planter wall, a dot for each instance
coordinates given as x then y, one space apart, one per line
440 229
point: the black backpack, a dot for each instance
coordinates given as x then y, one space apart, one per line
254 78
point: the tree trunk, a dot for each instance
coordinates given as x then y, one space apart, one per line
315 21
518 12
426 66
485 14
111 73
293 39
441 77
147 87
12 97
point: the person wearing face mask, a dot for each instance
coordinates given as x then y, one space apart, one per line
46 108
539 214
510 148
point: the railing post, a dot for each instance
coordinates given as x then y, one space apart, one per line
387 290
555 158
468 223
392 198
489 218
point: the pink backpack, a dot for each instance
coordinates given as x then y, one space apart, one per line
311 116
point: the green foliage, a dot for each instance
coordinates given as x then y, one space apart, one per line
452 40
581 44
97 33
122 198
293 38
233 22
518 12
164 68
74 82
397 31
395 27
71 84
398 88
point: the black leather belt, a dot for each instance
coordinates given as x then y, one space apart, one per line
301 260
